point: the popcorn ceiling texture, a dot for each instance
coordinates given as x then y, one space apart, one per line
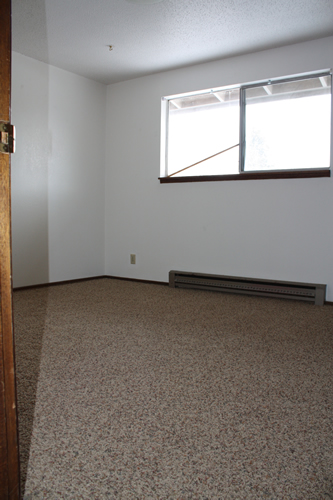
151 38
137 391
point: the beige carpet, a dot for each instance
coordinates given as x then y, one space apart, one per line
139 391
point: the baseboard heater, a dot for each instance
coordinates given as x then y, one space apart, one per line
265 288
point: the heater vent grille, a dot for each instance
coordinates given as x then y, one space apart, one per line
265 288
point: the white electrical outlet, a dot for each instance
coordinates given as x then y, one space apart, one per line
133 258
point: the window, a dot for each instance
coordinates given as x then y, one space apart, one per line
267 129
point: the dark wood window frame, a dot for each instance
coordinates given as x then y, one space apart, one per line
246 176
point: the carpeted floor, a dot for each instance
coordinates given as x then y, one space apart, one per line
137 391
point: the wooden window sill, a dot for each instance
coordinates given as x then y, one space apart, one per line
246 176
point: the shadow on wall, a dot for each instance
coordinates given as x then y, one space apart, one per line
29 176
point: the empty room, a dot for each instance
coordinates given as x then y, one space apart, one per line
172 248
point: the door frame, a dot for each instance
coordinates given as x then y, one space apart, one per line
9 453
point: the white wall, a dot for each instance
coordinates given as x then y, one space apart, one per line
57 174
276 229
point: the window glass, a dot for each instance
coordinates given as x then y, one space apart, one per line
278 125
203 134
287 125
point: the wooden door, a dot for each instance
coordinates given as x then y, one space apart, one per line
9 461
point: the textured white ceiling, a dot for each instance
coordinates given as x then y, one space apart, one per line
75 34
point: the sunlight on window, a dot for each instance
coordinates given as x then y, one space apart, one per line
205 126
271 126
292 133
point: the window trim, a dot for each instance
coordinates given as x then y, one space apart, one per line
246 176
242 174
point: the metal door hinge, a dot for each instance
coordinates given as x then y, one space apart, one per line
7 138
